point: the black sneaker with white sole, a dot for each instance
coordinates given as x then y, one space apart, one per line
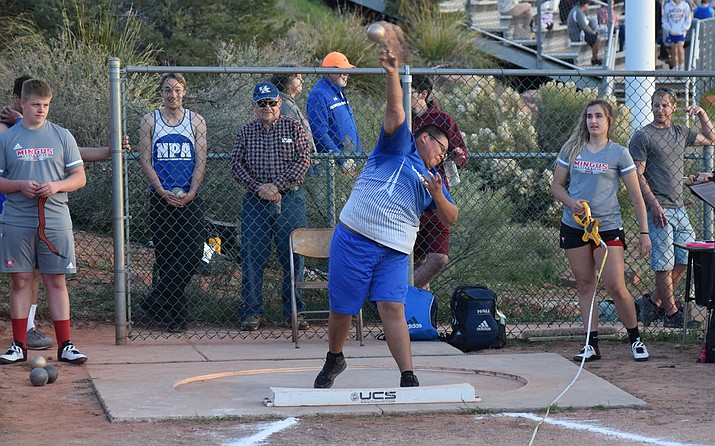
69 353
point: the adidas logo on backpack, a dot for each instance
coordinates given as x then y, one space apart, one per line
484 326
476 322
413 323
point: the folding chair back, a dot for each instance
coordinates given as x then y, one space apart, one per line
312 243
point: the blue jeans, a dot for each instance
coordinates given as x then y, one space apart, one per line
262 226
664 255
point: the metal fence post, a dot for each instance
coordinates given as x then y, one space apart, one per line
407 104
115 119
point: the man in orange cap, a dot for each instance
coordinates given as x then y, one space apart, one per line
330 115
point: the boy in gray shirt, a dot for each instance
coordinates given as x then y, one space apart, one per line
39 163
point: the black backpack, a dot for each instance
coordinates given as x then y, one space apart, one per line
476 322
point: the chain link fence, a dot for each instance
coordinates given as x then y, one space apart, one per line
513 124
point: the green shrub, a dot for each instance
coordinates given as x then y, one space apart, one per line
441 39
492 116
560 106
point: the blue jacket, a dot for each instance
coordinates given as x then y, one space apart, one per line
331 119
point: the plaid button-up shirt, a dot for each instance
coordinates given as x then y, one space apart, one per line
279 154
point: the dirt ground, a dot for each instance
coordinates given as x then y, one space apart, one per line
680 392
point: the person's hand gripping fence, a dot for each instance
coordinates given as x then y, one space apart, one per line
590 225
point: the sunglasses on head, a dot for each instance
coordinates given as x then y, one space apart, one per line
266 103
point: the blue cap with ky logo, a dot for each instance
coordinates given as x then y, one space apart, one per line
264 90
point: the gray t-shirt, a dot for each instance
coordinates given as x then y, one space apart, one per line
577 22
595 177
43 154
663 151
290 108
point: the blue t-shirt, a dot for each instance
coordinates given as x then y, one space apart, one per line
388 198
703 12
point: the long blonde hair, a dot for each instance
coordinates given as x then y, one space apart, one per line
580 135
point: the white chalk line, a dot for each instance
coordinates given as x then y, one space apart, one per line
598 429
264 433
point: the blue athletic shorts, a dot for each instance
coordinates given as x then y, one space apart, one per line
675 39
664 256
360 268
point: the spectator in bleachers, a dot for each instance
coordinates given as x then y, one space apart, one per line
521 16
565 7
578 23
676 23
704 11
664 54
602 17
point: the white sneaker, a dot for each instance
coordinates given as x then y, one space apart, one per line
589 352
640 353
14 354
68 353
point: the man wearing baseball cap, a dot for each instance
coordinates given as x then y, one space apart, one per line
270 157
330 115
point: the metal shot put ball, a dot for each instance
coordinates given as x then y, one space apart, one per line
52 373
39 377
179 192
37 361
376 32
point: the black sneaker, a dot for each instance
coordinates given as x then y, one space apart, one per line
408 379
675 320
647 310
16 353
334 366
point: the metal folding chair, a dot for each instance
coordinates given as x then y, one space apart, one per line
312 243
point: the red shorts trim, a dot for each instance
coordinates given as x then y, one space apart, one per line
570 238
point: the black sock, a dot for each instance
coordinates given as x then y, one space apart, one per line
593 339
335 355
407 373
633 334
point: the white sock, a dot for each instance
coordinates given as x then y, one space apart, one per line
31 317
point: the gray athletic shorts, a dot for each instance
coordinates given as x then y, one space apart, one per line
22 250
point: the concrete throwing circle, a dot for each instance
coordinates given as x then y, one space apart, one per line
484 381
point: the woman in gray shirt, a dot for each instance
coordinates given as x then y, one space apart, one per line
592 165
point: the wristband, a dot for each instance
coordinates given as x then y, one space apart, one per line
643 233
